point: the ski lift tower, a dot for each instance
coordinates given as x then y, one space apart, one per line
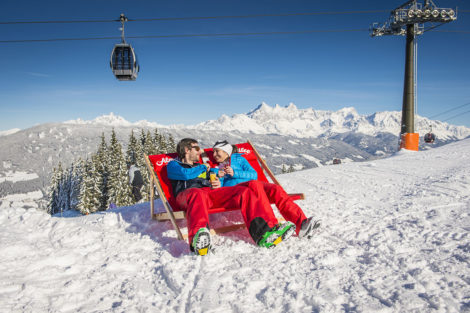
409 19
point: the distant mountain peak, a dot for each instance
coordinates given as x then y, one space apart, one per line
114 120
292 121
111 119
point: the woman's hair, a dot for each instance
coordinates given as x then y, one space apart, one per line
235 149
184 143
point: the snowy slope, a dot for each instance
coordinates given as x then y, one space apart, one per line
395 238
9 132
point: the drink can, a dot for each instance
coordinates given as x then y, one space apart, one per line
212 176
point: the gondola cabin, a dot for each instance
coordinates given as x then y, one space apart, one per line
124 62
336 161
429 138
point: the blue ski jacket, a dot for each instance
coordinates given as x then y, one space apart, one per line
184 176
242 171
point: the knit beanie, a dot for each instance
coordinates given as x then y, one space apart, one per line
224 145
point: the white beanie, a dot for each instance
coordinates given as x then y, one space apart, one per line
224 145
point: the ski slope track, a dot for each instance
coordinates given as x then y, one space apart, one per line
394 238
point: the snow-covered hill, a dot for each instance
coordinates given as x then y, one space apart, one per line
394 238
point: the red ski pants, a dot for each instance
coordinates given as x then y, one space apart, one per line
272 193
196 202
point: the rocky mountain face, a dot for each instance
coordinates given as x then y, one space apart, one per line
303 138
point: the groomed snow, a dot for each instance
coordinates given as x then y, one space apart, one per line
17 176
394 238
9 132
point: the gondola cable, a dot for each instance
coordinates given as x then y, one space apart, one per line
198 17
450 110
190 35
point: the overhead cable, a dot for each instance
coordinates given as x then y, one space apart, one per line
190 35
460 114
450 110
198 17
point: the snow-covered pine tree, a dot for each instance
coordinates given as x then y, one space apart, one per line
120 192
54 190
90 193
171 144
141 164
102 164
142 139
149 146
66 188
156 141
284 169
76 174
163 144
62 193
131 152
291 169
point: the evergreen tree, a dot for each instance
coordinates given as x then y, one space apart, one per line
90 193
131 152
53 205
102 163
163 144
156 141
141 164
142 140
284 169
291 169
120 192
76 174
171 146
149 146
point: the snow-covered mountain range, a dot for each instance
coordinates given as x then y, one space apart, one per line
291 121
285 136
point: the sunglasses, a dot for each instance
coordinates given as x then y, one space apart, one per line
196 147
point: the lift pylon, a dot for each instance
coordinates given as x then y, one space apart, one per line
408 20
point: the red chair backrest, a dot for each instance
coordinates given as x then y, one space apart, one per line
160 161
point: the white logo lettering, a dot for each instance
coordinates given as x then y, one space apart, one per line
243 150
163 161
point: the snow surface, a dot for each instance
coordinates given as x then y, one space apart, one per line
394 238
17 176
9 132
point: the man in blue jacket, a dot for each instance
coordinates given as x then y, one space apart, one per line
196 193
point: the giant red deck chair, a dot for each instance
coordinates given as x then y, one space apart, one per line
156 165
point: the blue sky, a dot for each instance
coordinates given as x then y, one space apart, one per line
190 80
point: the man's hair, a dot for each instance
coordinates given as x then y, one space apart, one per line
184 143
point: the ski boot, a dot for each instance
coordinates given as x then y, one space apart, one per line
308 227
201 242
277 234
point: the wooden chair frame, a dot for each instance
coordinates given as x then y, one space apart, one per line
173 215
